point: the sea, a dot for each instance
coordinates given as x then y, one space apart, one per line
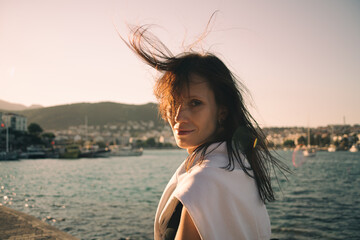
116 198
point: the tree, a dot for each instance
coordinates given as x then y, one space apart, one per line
325 140
317 140
48 135
47 138
101 144
344 144
302 140
35 129
140 143
289 143
270 144
150 142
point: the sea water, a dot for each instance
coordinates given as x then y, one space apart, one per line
116 198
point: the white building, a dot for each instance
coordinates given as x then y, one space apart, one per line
14 121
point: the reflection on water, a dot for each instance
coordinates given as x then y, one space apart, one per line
108 198
320 200
116 198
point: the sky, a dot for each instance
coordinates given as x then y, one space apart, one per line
299 59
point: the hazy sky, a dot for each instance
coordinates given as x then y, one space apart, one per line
299 59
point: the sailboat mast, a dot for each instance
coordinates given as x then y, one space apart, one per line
86 129
7 136
308 138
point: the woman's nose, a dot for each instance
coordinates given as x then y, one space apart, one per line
181 114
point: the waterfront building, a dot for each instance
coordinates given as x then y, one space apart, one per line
14 121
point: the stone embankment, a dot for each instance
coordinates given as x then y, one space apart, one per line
15 225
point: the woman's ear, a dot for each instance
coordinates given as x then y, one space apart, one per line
222 114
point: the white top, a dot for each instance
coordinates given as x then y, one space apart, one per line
222 204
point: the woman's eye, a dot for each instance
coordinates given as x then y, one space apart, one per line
195 102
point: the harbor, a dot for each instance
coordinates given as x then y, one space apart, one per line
18 140
101 102
71 152
116 198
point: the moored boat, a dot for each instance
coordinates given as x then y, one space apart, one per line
309 151
332 148
8 156
353 148
124 151
70 152
33 152
94 151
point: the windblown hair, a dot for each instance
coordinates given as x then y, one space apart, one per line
240 131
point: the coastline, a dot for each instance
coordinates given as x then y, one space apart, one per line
19 225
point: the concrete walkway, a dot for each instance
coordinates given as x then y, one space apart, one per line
15 225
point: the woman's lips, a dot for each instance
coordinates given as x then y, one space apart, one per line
183 132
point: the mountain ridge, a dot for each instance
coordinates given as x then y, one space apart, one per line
9 106
61 117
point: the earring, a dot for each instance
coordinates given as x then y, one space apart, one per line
220 122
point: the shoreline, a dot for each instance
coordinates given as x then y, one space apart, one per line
18 225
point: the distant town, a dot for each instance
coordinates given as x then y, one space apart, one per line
30 140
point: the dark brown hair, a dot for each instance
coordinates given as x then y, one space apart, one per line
240 130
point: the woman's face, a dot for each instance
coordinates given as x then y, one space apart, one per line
195 119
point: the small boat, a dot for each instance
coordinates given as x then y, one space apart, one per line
70 152
102 153
124 151
33 152
94 151
332 148
309 151
353 148
8 156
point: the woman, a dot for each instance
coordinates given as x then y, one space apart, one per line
220 190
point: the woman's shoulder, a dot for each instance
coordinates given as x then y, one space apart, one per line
212 171
212 175
217 156
221 187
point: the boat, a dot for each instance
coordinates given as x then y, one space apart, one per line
94 151
33 152
332 148
353 148
8 156
90 150
70 152
309 151
124 151
101 153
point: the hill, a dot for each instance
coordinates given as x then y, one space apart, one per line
8 106
62 116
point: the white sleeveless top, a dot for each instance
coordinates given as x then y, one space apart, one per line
222 204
